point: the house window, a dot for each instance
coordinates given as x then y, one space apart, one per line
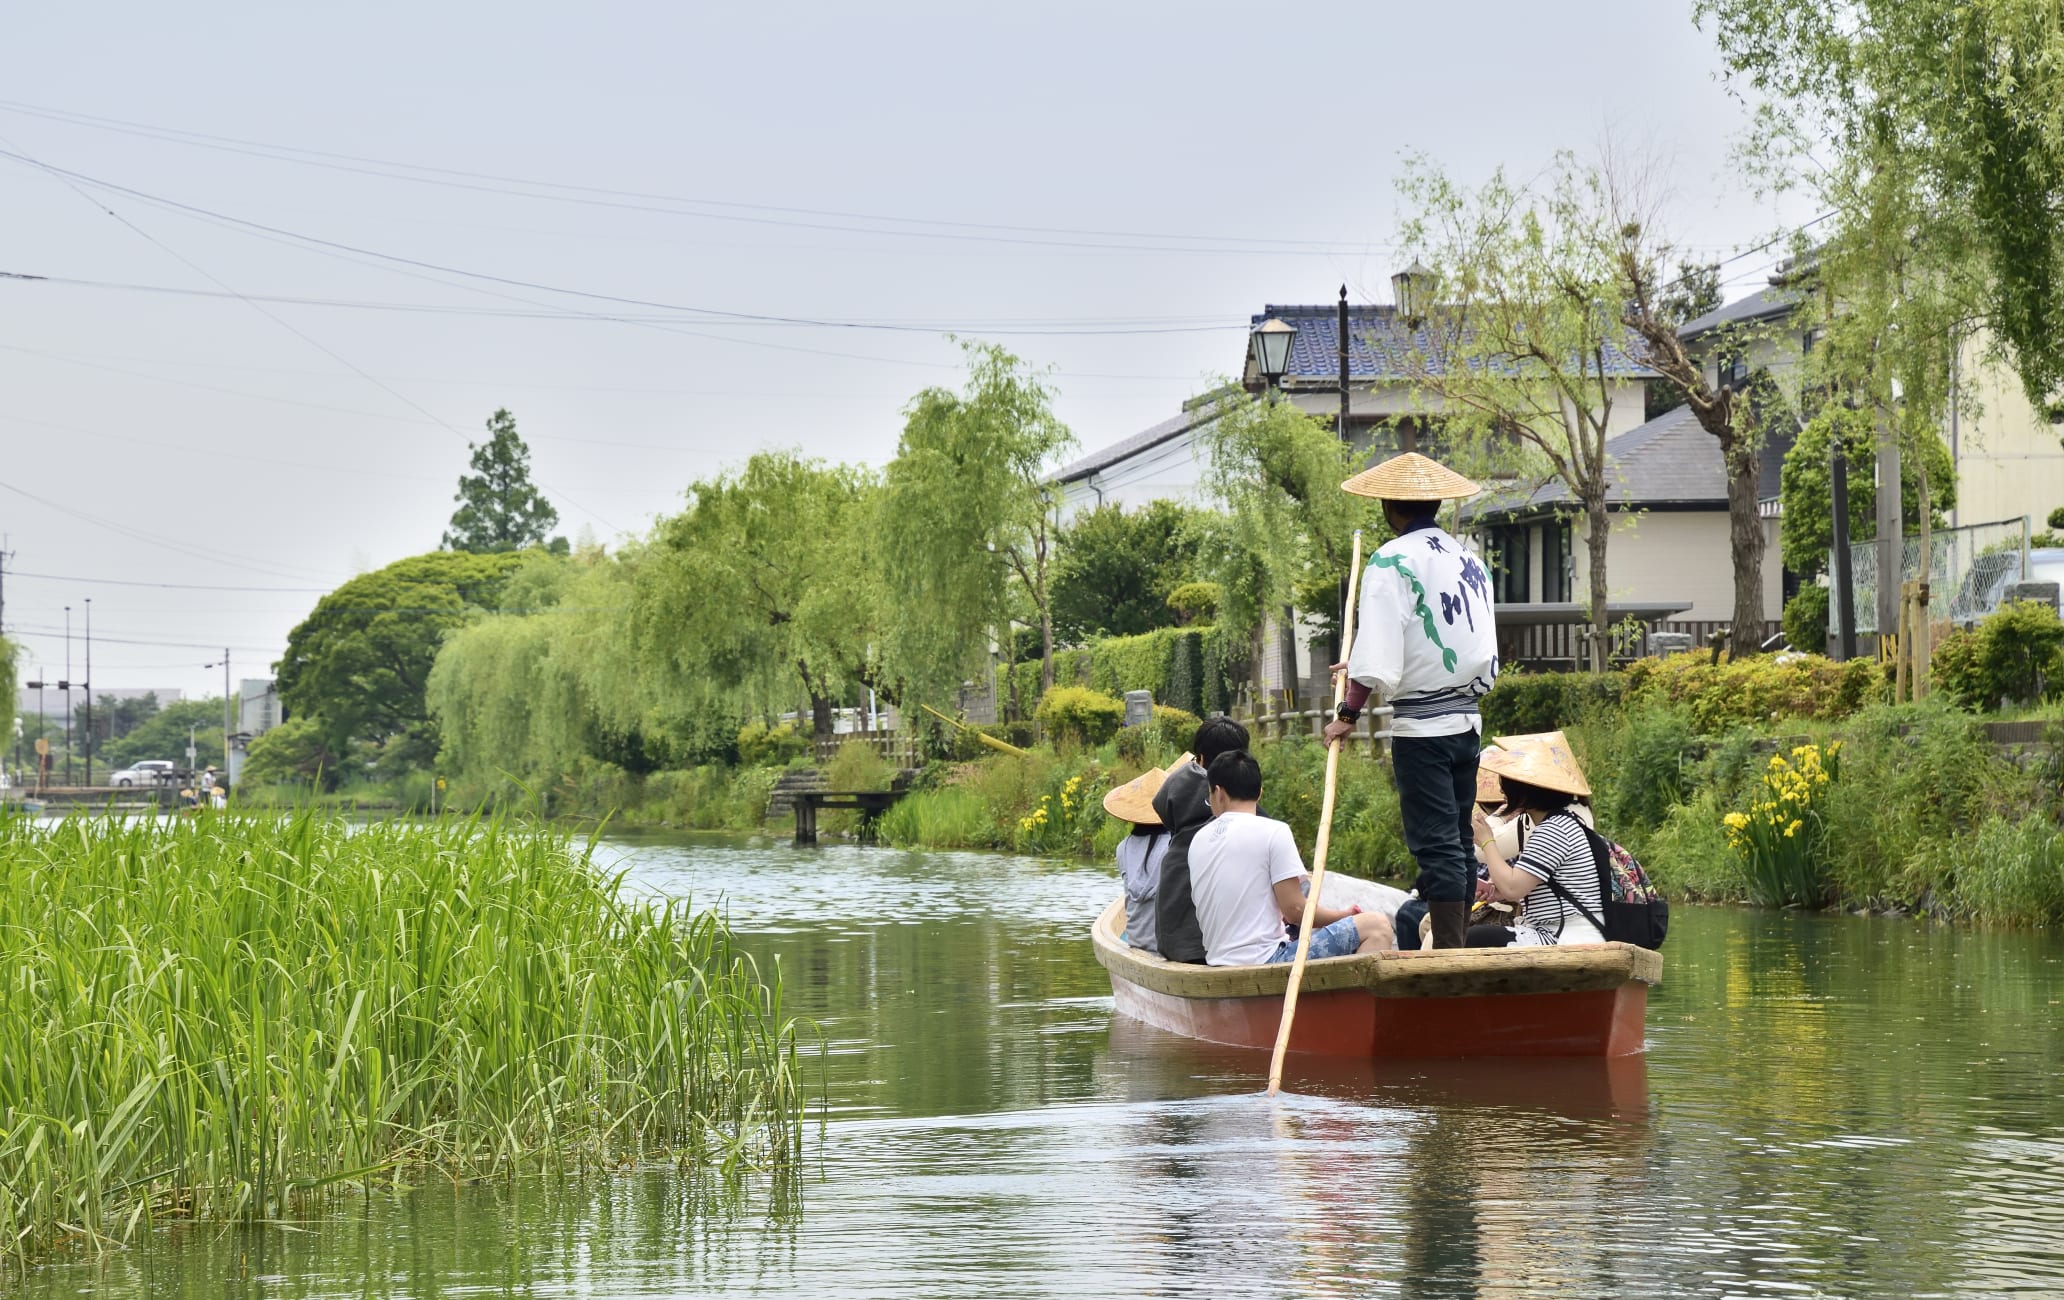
1509 565
1557 562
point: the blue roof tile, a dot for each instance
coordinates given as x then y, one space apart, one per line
1379 345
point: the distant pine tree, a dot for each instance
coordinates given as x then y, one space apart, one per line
500 509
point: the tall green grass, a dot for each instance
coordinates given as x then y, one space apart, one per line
235 1018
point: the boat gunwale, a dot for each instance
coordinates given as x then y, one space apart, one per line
1450 972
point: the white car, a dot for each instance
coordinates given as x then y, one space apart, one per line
151 771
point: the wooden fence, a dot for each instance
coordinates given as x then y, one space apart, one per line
1552 646
898 747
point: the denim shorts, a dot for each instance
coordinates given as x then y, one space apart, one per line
1339 939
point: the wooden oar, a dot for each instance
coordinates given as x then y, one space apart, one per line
1318 874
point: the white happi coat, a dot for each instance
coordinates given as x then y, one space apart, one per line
1425 640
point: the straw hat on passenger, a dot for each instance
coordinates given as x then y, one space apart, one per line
1134 801
1542 760
1410 477
1487 788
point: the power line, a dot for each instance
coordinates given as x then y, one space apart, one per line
716 314
154 539
169 586
73 183
597 196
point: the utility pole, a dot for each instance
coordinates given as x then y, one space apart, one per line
1891 537
89 690
67 684
5 556
1845 586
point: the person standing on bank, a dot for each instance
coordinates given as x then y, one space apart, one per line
1426 641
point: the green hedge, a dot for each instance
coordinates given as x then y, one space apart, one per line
1524 703
1177 664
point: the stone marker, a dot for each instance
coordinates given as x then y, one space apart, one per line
1668 643
2046 592
1139 708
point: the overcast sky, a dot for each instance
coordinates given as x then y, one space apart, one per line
1109 189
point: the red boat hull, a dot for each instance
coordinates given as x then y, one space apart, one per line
1577 1000
1351 1022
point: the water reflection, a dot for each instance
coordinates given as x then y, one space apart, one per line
1830 1106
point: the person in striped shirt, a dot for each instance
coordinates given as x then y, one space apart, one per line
1556 870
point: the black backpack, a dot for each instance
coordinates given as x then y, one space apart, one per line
1635 911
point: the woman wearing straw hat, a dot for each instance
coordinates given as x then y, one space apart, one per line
1542 780
1140 853
1425 639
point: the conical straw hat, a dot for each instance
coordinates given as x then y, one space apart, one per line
1542 760
1487 788
1410 477
1134 801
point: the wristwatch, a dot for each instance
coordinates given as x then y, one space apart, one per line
1347 713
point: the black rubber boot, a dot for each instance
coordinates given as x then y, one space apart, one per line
1450 924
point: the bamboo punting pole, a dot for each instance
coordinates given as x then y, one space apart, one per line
1318 876
1001 745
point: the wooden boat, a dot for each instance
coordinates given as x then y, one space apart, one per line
1580 1000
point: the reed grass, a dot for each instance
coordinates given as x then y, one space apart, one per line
239 1017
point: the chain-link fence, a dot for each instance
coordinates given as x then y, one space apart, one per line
1968 573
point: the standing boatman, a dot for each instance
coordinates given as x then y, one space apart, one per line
1426 641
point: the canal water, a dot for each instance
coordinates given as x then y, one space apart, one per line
1829 1106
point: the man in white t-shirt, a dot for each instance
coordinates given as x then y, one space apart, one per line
1248 882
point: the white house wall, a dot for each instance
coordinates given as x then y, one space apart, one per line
1173 471
2008 458
1676 555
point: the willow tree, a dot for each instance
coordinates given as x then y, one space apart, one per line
1524 355
1282 541
968 518
1739 416
1934 131
762 587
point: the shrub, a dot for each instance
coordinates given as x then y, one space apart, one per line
1130 745
1759 689
1196 601
859 766
1522 703
2016 654
760 745
1806 620
1173 730
293 753
2056 520
1689 855
1647 776
1076 715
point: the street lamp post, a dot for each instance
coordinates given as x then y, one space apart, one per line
1270 345
226 727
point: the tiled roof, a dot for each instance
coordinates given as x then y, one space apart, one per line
1670 462
1379 346
1765 304
1145 440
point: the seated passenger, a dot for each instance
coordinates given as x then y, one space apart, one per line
1249 882
1183 804
1556 869
1140 853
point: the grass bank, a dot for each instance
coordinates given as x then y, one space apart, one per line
236 1017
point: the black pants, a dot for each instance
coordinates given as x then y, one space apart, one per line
1436 784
